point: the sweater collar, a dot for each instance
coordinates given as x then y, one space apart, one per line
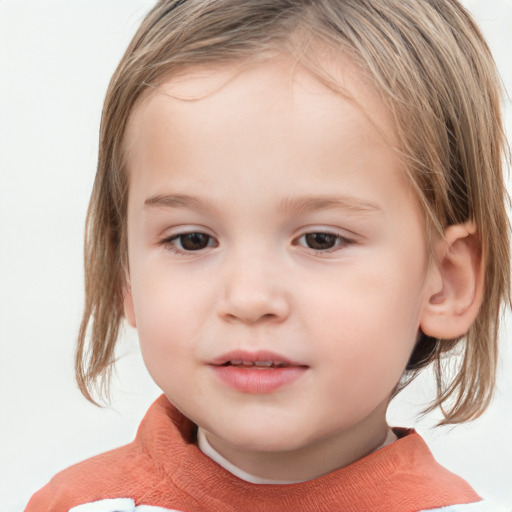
403 472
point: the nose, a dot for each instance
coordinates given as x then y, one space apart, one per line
253 292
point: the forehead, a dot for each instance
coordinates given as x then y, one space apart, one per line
234 122
235 87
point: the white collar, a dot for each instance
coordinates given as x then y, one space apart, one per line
208 450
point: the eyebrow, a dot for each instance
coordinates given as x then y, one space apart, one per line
291 205
178 201
347 203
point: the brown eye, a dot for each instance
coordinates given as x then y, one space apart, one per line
321 241
186 243
193 241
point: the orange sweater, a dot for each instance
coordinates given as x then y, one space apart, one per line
164 468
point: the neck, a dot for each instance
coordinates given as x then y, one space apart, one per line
311 460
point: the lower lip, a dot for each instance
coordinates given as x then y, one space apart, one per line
251 380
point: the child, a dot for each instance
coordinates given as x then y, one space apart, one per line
299 205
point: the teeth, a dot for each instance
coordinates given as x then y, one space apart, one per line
260 364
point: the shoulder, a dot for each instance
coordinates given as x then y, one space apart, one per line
123 472
119 505
415 479
143 471
479 506
419 469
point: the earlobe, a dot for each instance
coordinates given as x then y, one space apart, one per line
453 306
129 310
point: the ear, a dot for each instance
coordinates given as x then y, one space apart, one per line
456 298
129 310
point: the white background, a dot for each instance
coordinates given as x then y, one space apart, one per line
56 58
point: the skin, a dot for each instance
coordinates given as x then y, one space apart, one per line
245 143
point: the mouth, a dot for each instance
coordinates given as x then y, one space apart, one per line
262 372
262 359
257 365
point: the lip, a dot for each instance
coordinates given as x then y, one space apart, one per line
258 355
256 378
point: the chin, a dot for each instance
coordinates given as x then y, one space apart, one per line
262 438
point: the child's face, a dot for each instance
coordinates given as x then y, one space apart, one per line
270 221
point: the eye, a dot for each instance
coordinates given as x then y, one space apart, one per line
322 241
189 242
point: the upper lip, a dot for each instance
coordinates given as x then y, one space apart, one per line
258 356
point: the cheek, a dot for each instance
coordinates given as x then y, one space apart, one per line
165 343
369 322
158 309
171 310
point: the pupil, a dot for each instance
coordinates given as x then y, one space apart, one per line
320 241
194 241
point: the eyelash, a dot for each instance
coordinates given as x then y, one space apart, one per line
340 241
170 243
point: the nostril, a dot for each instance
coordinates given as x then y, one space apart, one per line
253 305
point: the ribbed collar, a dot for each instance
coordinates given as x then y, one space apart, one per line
401 477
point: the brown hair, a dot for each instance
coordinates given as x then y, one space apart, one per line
428 60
